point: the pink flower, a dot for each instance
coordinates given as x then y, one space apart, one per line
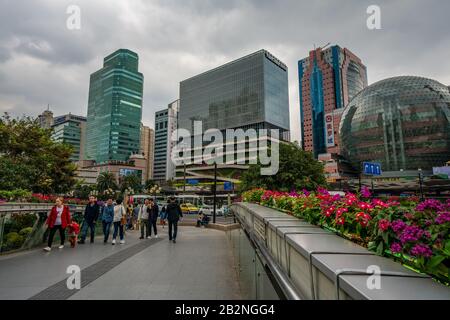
383 224
363 218
340 221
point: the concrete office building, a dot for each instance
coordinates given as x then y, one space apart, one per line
46 118
147 149
165 124
71 129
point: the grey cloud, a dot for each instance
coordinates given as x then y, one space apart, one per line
41 61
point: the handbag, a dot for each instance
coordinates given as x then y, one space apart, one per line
123 219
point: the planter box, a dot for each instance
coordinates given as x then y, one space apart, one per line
322 265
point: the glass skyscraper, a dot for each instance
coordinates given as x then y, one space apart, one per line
328 80
249 92
115 108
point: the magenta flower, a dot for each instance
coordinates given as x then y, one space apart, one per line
411 234
398 226
421 250
431 204
306 192
443 217
396 247
365 192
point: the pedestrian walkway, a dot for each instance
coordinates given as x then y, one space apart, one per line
198 266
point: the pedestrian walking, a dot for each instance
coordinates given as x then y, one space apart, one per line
163 216
91 213
107 218
120 219
58 219
143 219
136 215
174 214
153 217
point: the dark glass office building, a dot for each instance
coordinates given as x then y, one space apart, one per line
251 92
401 122
115 108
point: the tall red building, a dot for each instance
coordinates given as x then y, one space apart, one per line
328 79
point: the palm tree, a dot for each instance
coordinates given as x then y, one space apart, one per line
131 181
106 180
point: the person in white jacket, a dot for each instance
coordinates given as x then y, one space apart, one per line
143 219
119 216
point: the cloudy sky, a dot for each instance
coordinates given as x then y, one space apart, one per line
43 62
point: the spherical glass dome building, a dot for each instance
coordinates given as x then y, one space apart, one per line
401 122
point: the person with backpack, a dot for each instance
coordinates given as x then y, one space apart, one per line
174 214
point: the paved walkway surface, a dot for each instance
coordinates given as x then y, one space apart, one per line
198 266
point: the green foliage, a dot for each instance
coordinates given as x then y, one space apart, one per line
25 231
131 181
149 184
297 170
106 180
14 240
15 194
82 191
31 160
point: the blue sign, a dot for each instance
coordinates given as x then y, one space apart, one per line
372 168
228 186
192 181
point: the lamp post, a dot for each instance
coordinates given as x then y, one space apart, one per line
421 184
215 192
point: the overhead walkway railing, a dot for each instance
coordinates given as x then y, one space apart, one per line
22 225
307 262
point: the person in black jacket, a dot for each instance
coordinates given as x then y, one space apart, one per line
91 213
174 213
153 212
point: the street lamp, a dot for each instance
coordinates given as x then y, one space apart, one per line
421 184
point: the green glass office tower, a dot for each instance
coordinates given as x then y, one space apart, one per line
115 108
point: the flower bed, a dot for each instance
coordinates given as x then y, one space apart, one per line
412 232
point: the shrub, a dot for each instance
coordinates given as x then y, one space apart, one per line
14 240
25 231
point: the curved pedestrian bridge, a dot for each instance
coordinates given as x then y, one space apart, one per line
198 266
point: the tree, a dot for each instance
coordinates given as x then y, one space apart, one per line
297 170
131 181
149 183
106 180
31 160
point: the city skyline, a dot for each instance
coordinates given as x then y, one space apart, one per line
42 62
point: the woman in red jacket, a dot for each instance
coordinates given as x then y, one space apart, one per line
58 219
